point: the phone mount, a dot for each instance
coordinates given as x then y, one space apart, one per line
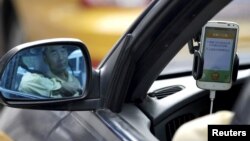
198 64
198 61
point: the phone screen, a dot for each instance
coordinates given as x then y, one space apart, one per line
218 53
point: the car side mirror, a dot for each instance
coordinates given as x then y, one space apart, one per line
45 71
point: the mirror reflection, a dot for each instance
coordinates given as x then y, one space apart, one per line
54 71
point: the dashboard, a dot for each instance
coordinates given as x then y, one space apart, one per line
184 101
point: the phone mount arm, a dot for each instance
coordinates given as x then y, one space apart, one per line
191 44
194 46
198 63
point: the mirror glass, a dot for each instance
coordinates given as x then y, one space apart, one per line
45 72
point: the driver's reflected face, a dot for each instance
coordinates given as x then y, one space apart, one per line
57 58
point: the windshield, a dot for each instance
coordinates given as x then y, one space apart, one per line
237 11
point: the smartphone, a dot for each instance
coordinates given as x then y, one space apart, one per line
218 49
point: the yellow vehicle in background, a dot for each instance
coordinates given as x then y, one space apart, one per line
71 18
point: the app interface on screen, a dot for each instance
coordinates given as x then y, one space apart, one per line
218 51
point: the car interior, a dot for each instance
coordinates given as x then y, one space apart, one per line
133 112
169 105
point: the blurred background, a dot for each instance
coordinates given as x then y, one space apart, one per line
98 23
